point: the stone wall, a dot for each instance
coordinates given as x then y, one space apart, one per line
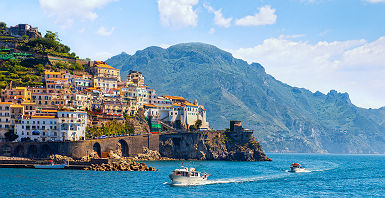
128 145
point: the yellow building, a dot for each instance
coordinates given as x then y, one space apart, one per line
104 70
18 94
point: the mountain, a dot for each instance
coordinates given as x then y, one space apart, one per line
285 118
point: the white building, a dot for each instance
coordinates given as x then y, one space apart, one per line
72 125
5 118
173 108
38 128
67 125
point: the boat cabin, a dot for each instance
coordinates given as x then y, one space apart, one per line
186 172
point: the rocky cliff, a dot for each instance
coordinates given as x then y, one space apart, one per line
212 146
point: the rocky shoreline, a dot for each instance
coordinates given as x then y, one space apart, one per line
121 166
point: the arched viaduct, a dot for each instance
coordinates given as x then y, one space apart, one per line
127 145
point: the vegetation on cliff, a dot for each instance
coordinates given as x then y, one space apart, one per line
284 118
136 124
28 70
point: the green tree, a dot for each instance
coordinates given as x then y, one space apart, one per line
198 124
3 27
10 136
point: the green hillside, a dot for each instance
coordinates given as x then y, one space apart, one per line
284 118
23 69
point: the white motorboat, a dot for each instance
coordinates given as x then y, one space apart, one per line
297 168
52 165
187 176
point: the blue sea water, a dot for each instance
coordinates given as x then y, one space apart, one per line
330 176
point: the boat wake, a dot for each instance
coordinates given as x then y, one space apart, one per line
302 171
233 180
329 166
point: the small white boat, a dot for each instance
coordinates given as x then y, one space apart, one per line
297 168
187 176
50 166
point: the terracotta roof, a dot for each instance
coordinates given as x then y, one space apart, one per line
149 105
48 72
42 117
49 110
28 103
17 106
174 97
190 104
103 65
56 79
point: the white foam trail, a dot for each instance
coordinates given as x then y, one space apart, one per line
233 180
331 166
302 171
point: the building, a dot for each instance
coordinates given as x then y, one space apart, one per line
5 118
170 109
105 83
53 126
72 125
24 29
134 77
16 95
38 128
101 69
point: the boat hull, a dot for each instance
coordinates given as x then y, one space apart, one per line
298 170
55 166
182 180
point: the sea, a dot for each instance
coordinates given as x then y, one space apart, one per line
330 176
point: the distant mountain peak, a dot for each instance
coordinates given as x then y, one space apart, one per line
284 118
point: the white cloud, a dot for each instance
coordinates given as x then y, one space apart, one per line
102 31
211 31
376 1
178 13
218 17
265 16
353 66
66 11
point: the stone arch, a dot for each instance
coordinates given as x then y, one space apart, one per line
5 150
45 151
124 148
19 151
96 147
32 151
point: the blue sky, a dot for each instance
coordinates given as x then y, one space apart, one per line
315 44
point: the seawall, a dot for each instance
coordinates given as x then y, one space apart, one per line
128 145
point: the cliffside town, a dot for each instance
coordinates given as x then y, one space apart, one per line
62 108
72 94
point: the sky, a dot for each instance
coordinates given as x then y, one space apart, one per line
319 45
